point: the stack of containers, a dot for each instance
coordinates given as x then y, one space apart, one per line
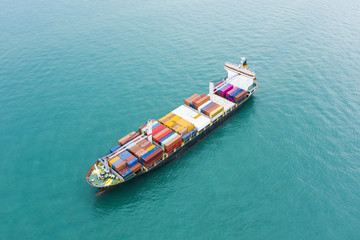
144 150
231 93
151 158
189 101
223 102
165 137
127 138
213 110
189 114
176 123
203 99
122 162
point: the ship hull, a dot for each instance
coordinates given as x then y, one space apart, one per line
181 150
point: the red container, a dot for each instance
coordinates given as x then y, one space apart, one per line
120 166
157 154
139 153
158 129
208 110
144 143
148 164
134 149
240 95
159 133
183 131
173 147
123 170
191 99
136 167
164 134
169 146
127 138
204 98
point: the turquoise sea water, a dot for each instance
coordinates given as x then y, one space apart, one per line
75 76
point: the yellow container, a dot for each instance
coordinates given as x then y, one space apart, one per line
179 128
216 111
175 118
149 148
176 127
113 160
169 115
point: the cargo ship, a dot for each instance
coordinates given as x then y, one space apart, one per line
161 141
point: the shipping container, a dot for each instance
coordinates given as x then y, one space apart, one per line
134 149
171 148
127 173
203 106
119 166
163 134
208 110
158 129
231 91
217 111
156 155
169 145
136 167
112 160
132 162
168 139
127 138
221 88
226 89
116 163
207 106
186 136
240 95
125 155
114 148
151 147
191 99
140 153
233 94
201 101
161 141
148 153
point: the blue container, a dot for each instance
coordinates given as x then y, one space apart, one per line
132 162
241 99
117 162
166 137
125 155
127 173
186 136
154 126
193 132
191 105
114 148
147 154
236 92
209 105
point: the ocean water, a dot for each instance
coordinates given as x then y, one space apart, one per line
75 76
